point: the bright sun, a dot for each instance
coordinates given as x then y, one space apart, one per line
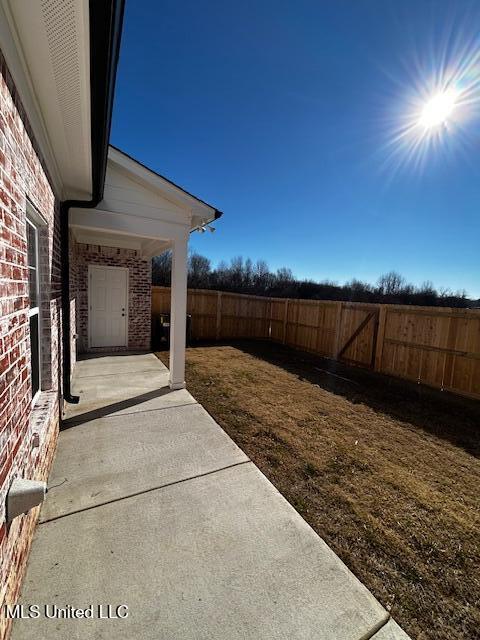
438 109
441 98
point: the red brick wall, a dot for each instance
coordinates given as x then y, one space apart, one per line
22 176
139 290
16 542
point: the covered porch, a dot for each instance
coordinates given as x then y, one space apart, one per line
141 215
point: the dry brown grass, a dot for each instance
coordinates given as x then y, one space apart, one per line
386 473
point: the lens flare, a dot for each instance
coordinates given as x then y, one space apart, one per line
434 105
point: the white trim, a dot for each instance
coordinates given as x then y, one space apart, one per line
151 248
92 267
33 36
118 242
145 247
35 219
32 214
178 306
154 181
126 224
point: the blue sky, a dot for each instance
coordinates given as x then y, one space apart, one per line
280 113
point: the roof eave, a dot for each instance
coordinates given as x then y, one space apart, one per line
106 20
119 156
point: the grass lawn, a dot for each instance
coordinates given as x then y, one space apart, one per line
387 473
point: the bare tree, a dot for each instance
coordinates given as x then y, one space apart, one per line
162 269
391 283
262 278
284 275
199 269
242 275
236 272
248 274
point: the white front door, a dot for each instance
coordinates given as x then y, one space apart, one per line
107 302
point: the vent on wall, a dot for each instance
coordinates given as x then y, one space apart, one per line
61 29
52 48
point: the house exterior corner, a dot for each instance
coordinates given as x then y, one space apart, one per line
26 196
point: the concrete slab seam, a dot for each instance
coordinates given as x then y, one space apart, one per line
139 493
117 373
373 632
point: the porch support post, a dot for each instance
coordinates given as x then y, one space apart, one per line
178 312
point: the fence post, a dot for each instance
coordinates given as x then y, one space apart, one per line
219 315
269 328
338 330
449 362
382 318
285 317
317 340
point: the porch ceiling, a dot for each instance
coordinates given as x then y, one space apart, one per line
146 247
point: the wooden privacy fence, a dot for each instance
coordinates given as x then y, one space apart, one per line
436 346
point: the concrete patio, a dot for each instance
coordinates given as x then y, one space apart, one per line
152 505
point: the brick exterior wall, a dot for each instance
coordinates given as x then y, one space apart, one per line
139 290
22 176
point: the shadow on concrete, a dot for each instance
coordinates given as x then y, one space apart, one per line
104 354
102 412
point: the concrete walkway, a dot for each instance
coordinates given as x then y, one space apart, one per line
151 505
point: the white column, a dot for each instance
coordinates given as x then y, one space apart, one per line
178 312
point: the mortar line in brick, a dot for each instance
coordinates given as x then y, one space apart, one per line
139 493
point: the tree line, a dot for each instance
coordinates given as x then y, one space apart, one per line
244 276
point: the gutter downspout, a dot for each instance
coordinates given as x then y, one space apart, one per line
65 207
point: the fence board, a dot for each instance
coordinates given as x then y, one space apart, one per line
439 347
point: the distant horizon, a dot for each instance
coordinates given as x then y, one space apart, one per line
438 287
295 119
321 279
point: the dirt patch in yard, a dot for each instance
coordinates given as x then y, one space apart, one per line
387 473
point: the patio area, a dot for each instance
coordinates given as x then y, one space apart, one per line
153 506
